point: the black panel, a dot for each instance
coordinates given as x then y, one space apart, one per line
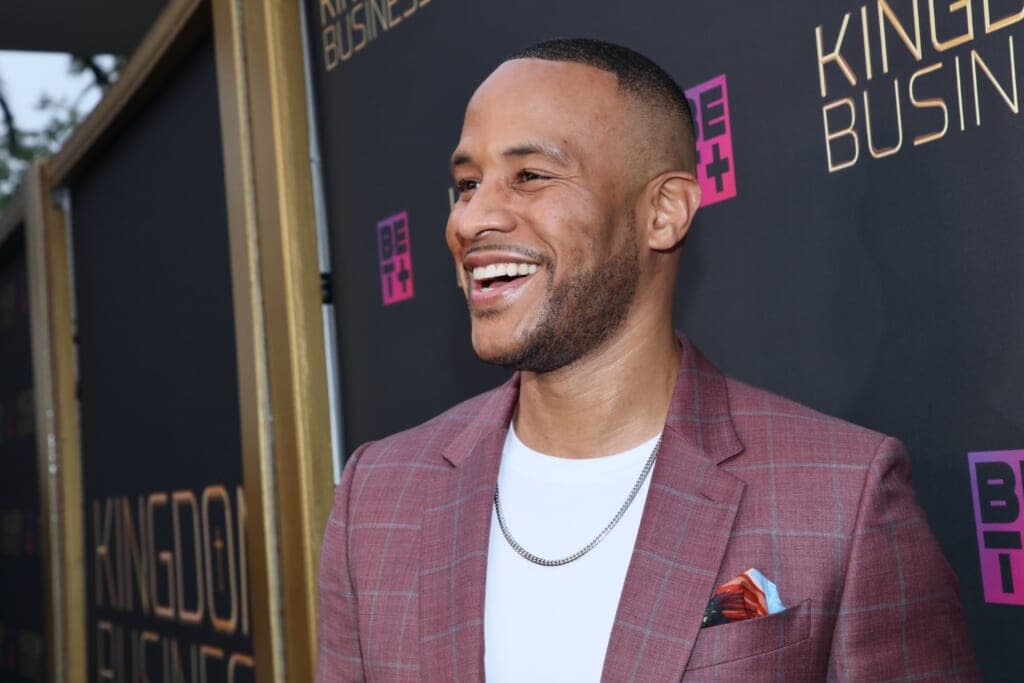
81 27
159 386
889 293
23 650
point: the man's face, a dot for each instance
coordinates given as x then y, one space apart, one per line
543 230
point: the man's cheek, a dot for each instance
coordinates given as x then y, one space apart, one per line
452 240
462 279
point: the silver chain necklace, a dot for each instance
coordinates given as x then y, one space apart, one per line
526 554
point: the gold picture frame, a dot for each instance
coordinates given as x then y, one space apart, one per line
285 425
56 418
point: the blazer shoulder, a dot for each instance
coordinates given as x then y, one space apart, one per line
759 415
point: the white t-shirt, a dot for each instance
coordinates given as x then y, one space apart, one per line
553 623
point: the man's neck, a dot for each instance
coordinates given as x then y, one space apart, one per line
610 401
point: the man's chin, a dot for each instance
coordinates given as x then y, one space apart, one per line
528 354
497 344
489 351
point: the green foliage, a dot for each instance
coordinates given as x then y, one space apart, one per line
20 147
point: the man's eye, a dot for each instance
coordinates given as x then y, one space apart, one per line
466 185
526 176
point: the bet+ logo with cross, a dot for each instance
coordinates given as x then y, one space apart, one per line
709 102
395 253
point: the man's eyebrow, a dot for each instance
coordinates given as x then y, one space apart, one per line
538 149
460 158
524 150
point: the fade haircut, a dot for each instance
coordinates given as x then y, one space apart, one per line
635 73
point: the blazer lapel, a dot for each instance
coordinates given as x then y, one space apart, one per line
456 527
687 521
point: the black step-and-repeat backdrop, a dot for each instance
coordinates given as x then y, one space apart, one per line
22 587
860 248
167 577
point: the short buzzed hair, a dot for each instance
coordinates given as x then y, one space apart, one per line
636 74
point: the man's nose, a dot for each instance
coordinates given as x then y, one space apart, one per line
487 210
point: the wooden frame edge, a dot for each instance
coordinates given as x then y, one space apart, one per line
297 358
260 57
54 379
253 381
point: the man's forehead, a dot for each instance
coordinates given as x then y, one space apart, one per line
533 100
546 78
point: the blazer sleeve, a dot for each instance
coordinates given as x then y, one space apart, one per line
899 616
339 656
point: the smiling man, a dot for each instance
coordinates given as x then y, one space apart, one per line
619 510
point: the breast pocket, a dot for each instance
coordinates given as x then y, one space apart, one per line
742 639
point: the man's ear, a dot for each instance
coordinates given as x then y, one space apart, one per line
674 197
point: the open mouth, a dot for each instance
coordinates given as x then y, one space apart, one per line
497 276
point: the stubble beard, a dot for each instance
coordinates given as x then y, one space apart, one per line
579 316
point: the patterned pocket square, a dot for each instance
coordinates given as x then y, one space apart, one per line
746 596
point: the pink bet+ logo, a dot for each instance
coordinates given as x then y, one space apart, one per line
716 173
395 253
996 487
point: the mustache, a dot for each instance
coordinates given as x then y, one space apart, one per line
526 252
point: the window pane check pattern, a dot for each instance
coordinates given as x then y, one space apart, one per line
743 479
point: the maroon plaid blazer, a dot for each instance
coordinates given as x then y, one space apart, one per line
744 479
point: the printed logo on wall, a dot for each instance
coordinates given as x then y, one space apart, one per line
996 487
348 30
709 102
395 255
948 91
192 574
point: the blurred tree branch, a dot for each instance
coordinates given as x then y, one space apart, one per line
20 146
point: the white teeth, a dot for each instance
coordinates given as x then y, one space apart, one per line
494 270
